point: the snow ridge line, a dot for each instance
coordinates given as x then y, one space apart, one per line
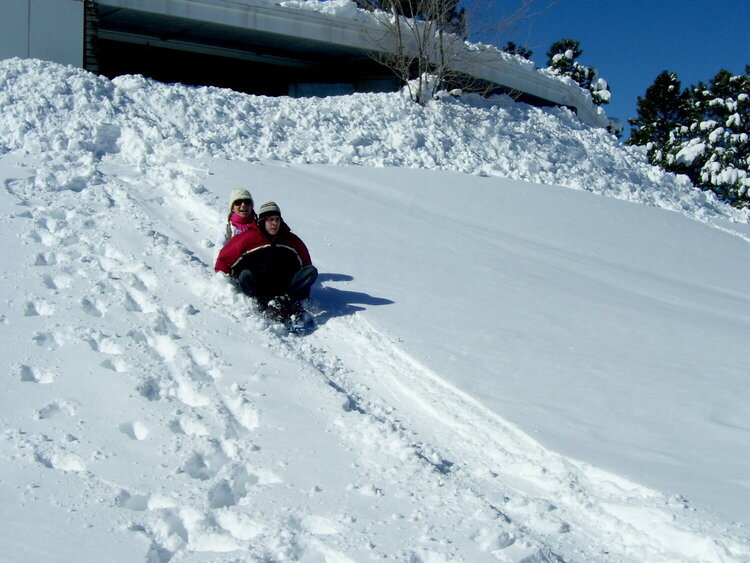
139 119
542 493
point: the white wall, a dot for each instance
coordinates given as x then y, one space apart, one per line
42 29
14 28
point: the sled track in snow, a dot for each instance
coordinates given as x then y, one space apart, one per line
371 394
538 493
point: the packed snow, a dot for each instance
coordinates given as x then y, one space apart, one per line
531 345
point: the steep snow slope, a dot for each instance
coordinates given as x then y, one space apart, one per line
148 414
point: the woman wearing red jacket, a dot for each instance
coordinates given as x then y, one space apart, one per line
271 264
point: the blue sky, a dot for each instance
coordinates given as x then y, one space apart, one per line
631 41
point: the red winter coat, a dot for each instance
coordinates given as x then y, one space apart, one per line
285 253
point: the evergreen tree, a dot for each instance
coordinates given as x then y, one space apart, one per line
562 56
714 143
702 132
520 51
663 110
561 59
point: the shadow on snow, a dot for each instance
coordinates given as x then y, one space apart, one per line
332 302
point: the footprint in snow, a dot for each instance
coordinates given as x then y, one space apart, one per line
136 301
135 430
102 343
221 495
241 408
46 340
239 524
187 393
59 281
36 375
180 315
229 492
205 465
49 282
491 539
132 502
55 408
150 389
91 308
45 259
191 425
60 459
39 307
116 364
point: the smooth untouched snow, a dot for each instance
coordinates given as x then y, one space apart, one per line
504 369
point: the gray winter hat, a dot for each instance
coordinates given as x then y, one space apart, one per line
239 193
269 209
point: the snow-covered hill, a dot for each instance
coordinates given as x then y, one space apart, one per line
504 369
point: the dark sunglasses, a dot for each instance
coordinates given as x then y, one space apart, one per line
238 202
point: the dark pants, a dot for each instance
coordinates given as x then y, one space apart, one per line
264 287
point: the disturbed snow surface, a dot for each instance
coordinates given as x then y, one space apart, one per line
149 415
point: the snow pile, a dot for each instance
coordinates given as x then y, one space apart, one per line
497 137
149 415
342 9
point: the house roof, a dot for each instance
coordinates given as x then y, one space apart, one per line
264 32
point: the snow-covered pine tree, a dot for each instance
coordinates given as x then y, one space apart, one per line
518 50
714 143
561 59
562 55
661 111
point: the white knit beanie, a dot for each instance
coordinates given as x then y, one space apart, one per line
269 209
239 193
